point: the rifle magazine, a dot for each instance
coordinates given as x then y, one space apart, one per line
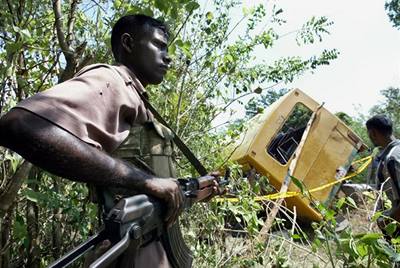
179 255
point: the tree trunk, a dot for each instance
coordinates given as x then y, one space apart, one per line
32 222
56 227
5 238
8 195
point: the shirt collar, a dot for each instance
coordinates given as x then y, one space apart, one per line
132 78
388 148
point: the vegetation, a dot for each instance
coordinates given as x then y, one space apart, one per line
393 10
213 52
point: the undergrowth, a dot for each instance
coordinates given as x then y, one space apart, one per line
227 234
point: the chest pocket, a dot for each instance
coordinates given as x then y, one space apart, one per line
149 147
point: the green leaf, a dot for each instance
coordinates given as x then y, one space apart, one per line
186 48
13 47
229 58
191 6
376 216
395 241
388 250
340 202
316 245
279 11
33 196
330 214
172 49
296 236
298 183
362 249
19 230
391 228
351 202
178 42
209 15
161 5
25 34
370 238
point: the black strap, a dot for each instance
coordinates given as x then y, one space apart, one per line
181 145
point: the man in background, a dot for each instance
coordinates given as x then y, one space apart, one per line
380 132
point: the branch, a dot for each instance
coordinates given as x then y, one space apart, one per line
20 10
241 96
180 29
32 219
181 91
287 180
7 197
97 4
71 21
60 35
225 37
55 59
70 55
11 12
85 61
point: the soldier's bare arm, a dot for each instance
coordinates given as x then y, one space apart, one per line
61 153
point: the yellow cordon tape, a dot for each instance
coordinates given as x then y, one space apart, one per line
365 162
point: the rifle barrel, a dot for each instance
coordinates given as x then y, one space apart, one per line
113 253
77 252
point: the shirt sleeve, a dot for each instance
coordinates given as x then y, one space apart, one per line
96 106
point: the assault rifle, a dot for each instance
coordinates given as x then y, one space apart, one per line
137 220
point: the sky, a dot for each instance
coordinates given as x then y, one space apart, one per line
369 47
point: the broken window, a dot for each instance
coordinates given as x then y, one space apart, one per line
288 137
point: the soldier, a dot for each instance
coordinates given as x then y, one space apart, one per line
380 132
74 129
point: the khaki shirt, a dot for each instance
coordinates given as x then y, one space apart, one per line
96 105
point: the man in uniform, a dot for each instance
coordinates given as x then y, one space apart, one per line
380 132
73 129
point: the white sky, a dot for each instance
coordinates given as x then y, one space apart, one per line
369 47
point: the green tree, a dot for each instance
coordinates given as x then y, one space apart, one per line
43 43
393 10
257 105
357 124
390 107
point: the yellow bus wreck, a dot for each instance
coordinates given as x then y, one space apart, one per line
272 137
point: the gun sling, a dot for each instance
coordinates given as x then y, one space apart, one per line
177 140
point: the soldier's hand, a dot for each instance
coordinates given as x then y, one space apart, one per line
168 191
212 187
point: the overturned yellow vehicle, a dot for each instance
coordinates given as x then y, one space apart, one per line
271 138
